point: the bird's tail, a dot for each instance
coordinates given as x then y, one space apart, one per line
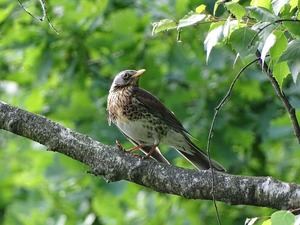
199 158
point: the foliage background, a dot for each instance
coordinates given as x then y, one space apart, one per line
66 78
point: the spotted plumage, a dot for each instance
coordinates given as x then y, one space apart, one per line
146 122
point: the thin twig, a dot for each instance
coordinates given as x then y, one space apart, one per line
44 15
217 109
289 108
43 5
23 7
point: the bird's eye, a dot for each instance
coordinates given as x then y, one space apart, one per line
126 76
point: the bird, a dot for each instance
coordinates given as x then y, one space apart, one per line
146 122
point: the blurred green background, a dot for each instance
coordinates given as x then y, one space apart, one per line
66 78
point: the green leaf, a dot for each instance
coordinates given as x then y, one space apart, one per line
258 221
216 6
282 218
264 30
267 222
293 4
213 37
240 40
261 3
292 55
201 8
293 28
269 42
236 9
261 14
280 71
278 4
292 52
279 47
295 69
4 12
163 25
190 20
229 27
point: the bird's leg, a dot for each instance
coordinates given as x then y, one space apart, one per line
135 148
120 146
152 150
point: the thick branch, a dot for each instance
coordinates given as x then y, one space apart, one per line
289 108
114 164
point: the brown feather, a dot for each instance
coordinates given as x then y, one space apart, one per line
157 108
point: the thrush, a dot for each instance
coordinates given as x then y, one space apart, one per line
146 122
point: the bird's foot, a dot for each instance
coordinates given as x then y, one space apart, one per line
120 146
131 150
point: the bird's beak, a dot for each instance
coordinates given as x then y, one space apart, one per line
138 73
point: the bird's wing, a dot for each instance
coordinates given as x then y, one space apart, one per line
157 108
146 149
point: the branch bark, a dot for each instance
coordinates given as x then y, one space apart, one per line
114 164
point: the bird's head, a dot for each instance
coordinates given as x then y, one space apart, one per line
127 78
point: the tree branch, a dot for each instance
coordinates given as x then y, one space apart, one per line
114 164
289 108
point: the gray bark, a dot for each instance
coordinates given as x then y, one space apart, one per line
114 164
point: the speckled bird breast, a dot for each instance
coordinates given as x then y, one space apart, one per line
133 118
121 106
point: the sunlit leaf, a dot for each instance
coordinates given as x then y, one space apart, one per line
213 37
236 9
163 25
190 20
261 3
251 221
280 71
201 8
269 42
278 4
282 217
255 221
279 46
267 222
297 218
293 4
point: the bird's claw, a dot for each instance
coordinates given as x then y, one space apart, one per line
120 146
145 157
129 151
